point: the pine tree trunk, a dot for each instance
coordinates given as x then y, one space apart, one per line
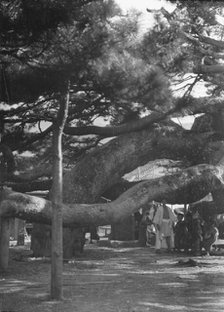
56 198
56 254
4 243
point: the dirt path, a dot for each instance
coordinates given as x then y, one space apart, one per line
117 280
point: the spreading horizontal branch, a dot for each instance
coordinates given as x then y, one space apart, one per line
111 131
185 186
211 41
204 39
209 69
201 105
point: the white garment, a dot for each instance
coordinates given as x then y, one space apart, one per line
165 227
161 241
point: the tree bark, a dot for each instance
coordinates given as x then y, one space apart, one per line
56 229
4 243
209 69
56 198
101 169
152 134
104 167
213 42
25 187
111 131
186 186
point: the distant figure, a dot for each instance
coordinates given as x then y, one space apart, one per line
150 231
164 222
188 238
138 218
196 232
145 221
210 235
180 233
221 229
93 233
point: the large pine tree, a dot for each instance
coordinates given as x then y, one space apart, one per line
128 81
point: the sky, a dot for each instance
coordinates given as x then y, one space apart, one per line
146 19
146 22
141 5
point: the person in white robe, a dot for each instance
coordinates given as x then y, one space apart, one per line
164 221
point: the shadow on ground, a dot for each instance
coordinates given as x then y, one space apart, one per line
117 279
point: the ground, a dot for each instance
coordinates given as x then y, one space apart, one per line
130 279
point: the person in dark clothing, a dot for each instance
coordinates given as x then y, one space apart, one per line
221 230
93 234
210 235
145 221
196 233
138 218
180 232
188 236
150 231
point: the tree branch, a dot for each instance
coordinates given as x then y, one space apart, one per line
106 165
116 130
186 186
201 105
209 69
33 174
214 42
32 186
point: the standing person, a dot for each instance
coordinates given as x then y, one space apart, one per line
188 237
150 231
145 221
196 232
152 210
93 233
210 235
220 227
180 232
137 219
164 221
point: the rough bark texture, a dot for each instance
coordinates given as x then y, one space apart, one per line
185 186
4 243
104 167
56 199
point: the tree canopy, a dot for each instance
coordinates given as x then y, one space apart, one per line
138 86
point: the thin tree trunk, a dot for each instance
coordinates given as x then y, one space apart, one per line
56 198
4 222
4 243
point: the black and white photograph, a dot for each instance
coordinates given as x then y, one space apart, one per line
111 156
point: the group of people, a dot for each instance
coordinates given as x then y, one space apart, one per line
177 231
194 233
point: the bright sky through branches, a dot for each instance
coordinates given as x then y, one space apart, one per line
141 5
146 20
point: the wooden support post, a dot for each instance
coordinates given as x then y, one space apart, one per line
4 243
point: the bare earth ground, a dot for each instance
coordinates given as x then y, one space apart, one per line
117 280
